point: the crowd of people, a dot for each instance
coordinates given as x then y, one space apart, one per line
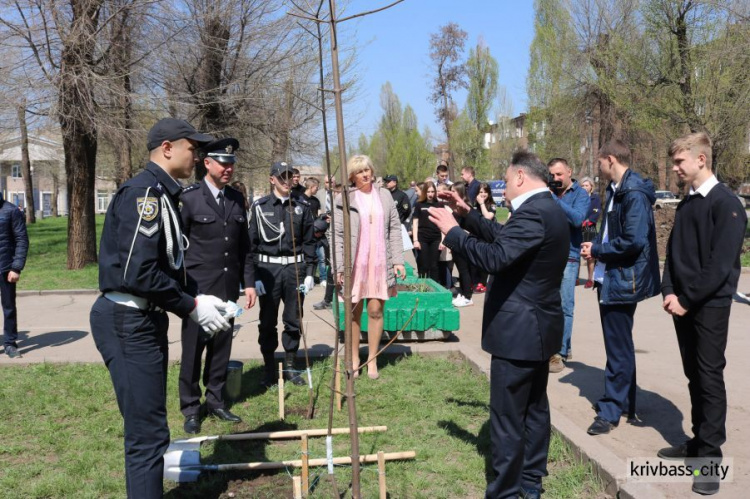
194 250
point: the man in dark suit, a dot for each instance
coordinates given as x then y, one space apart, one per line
215 223
523 320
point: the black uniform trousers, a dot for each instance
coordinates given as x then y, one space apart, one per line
218 349
133 344
519 425
281 283
702 336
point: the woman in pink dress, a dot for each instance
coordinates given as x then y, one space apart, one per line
377 254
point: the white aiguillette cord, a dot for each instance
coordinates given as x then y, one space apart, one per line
264 222
182 242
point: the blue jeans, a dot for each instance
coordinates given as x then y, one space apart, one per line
322 264
568 296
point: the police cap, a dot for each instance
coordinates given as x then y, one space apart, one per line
221 150
389 178
281 167
171 129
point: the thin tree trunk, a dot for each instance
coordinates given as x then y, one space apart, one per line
28 181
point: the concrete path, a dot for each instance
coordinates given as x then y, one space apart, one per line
55 328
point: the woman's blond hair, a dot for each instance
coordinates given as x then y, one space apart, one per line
357 164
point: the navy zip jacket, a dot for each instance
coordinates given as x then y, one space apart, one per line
632 263
14 242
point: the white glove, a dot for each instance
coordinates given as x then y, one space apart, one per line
260 289
309 284
208 314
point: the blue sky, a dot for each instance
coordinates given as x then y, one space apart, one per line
394 45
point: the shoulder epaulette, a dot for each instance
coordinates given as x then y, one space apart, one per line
191 187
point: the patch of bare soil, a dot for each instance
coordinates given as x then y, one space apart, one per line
260 487
664 220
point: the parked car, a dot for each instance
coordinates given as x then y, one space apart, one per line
665 199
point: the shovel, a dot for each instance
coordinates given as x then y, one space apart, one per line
182 458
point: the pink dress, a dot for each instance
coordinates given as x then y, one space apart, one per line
369 273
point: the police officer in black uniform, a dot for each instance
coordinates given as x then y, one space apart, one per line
403 205
282 248
215 223
141 277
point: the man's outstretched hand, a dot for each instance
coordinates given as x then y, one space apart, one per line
454 202
443 219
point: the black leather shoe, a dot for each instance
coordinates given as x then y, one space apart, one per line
224 415
676 452
706 488
192 424
322 305
600 426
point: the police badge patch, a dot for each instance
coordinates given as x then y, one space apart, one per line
148 208
298 210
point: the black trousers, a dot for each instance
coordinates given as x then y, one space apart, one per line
218 349
8 300
428 260
280 282
464 275
133 344
702 336
519 426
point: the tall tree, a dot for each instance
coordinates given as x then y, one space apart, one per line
26 166
446 50
483 73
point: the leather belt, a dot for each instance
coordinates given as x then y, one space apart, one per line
131 301
281 260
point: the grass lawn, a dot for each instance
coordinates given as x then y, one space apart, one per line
64 435
46 265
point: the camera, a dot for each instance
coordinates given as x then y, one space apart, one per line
554 184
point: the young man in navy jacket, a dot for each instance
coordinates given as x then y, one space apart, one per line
626 272
700 278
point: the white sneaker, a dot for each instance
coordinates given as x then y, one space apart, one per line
323 284
458 299
465 302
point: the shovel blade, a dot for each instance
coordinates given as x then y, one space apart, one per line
182 465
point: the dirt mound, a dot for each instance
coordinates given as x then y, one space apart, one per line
664 220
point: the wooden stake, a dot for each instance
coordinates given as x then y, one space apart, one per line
381 475
337 385
305 468
281 390
277 435
297 487
275 465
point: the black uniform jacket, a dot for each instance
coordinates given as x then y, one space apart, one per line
134 226
219 243
523 317
266 214
403 205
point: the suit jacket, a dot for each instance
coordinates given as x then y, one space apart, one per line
526 257
215 258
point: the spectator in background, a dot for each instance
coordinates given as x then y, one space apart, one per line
412 193
311 195
592 218
377 251
445 262
575 203
14 245
426 235
403 206
486 206
472 184
463 299
626 272
700 277
297 189
441 174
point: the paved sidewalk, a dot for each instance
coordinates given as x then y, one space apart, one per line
55 328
